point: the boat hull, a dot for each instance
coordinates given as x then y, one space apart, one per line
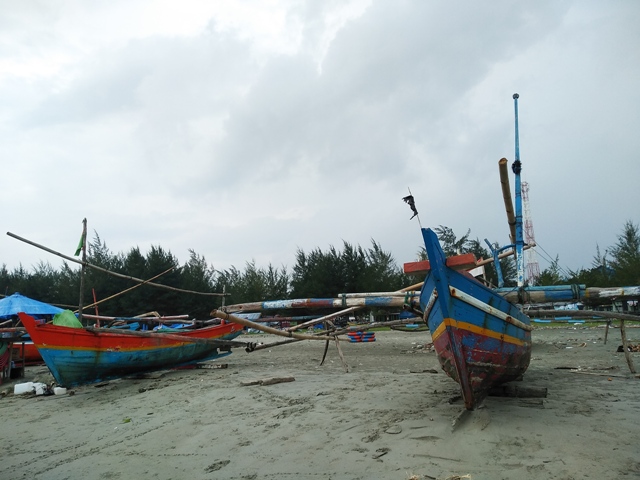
481 339
76 356
28 351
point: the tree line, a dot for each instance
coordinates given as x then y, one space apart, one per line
316 273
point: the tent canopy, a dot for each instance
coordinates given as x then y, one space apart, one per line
11 305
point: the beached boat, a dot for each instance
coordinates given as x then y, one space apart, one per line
77 356
481 339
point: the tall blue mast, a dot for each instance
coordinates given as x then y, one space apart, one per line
517 168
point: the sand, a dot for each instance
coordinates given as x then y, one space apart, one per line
391 417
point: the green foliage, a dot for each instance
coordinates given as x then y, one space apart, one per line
623 269
254 284
315 274
551 275
600 274
625 255
329 274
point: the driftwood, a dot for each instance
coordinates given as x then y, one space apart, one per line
269 381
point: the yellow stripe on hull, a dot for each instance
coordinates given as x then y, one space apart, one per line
450 322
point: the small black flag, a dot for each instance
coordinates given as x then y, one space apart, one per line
412 204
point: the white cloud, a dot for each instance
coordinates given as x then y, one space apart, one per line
246 130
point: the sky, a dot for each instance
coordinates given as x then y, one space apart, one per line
248 130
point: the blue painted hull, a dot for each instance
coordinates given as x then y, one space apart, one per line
76 356
481 339
77 367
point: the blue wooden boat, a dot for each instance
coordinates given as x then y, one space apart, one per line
77 356
481 339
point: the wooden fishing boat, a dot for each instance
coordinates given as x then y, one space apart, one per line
481 339
77 356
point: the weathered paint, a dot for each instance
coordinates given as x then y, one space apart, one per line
465 261
481 342
394 300
76 356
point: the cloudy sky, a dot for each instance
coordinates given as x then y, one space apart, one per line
245 130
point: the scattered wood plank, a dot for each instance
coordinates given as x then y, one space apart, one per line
457 262
269 381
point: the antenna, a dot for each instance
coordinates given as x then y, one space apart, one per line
533 268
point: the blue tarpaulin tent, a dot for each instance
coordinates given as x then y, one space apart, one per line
11 305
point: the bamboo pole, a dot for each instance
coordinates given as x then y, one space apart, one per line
322 319
354 328
83 249
109 272
344 362
609 315
123 292
506 195
625 346
169 336
274 331
155 319
582 314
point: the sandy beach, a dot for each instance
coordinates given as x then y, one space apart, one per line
391 417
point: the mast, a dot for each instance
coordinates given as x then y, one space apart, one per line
83 243
517 168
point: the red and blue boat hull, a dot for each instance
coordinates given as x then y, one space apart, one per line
481 339
76 356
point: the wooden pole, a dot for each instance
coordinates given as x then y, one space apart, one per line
264 328
109 272
83 242
506 195
168 336
355 328
582 314
96 303
609 315
323 319
625 346
344 362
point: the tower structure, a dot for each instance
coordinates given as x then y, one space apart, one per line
531 259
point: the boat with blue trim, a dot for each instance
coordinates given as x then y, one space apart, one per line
481 339
83 355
